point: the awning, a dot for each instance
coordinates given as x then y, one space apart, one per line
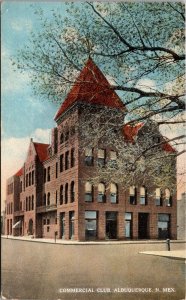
17 225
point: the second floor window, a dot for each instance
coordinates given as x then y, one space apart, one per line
143 194
48 174
168 198
61 163
66 193
158 197
72 191
61 195
101 192
72 158
88 192
48 199
89 157
101 157
113 193
67 160
62 139
133 195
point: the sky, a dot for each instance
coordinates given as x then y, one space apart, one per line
22 115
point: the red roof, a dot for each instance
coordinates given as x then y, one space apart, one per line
91 86
168 148
19 173
130 132
41 150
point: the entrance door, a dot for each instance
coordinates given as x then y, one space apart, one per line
143 230
111 225
30 227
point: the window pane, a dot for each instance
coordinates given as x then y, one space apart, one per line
163 217
128 216
101 188
88 187
113 188
132 190
101 153
113 155
90 214
88 152
113 198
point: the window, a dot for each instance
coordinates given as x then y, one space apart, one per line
61 195
44 221
88 192
48 175
29 178
48 199
56 170
163 226
56 197
90 225
113 158
143 196
89 157
72 191
133 195
67 160
48 221
72 158
67 136
62 225
72 131
26 204
113 193
62 139
32 202
101 157
66 193
128 225
101 192
61 163
71 225
32 177
158 197
21 186
44 177
48 228
26 180
29 203
168 198
45 202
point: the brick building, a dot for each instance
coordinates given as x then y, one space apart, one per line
52 192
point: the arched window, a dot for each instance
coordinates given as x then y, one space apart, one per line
168 198
48 175
143 195
44 198
66 193
158 197
67 136
29 205
133 195
113 193
89 157
62 138
88 192
101 157
72 191
32 202
61 195
48 199
26 203
101 192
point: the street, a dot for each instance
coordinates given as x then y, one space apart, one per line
34 270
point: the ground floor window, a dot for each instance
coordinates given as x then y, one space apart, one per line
71 227
111 225
163 226
128 225
90 225
63 225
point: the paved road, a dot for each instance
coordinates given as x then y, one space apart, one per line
40 270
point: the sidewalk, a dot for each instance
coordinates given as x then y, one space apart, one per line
178 254
71 242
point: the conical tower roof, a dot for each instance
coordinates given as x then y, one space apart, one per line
91 87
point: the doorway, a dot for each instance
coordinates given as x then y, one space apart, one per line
111 225
143 225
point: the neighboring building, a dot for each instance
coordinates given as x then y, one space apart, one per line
51 194
181 216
